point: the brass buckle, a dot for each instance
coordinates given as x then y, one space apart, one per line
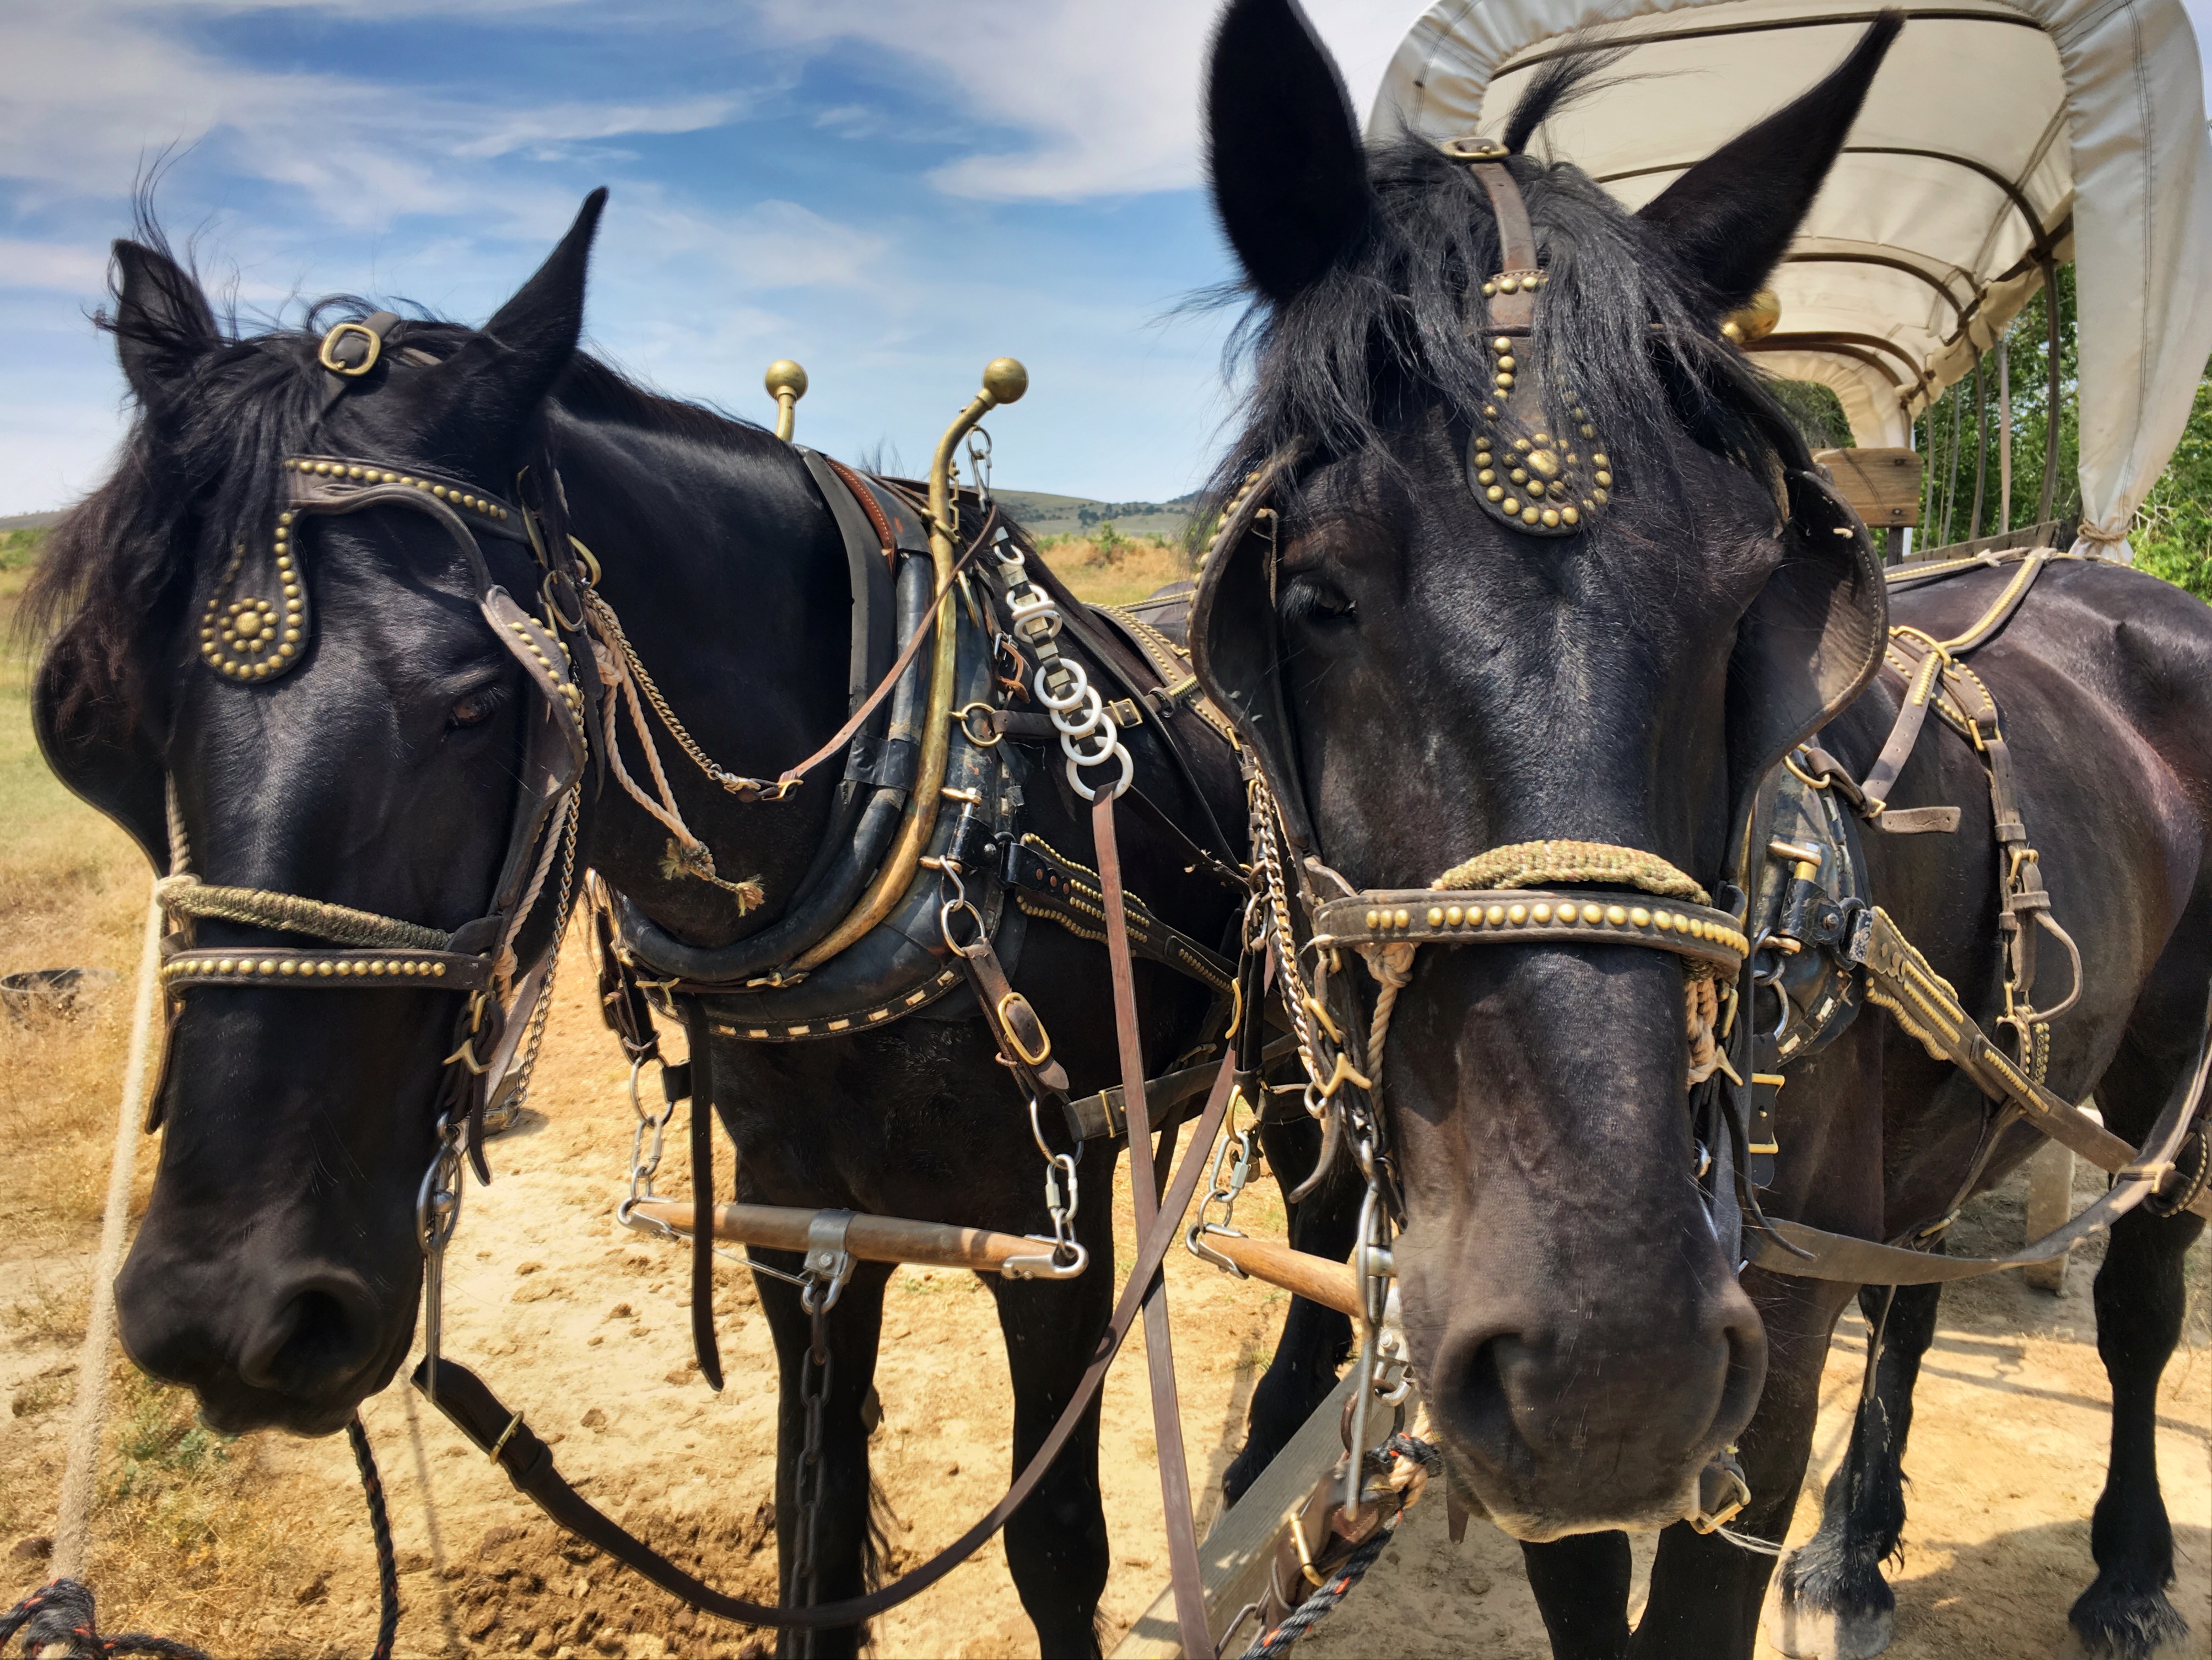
1471 149
1014 1037
328 356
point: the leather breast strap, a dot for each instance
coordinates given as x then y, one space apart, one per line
528 1462
1925 1007
1937 662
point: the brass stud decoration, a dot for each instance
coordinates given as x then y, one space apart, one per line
1538 483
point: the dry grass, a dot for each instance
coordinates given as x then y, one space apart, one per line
1118 573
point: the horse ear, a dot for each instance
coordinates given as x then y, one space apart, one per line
1290 177
96 748
1732 216
162 322
496 381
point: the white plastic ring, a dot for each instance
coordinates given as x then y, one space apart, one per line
1103 745
1092 719
1128 776
1077 685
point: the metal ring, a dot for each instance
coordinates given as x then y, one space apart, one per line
327 356
553 605
996 735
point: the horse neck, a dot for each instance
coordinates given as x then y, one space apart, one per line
728 573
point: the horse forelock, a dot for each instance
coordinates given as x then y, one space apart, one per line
1623 326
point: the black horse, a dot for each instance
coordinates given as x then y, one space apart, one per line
1426 680
277 1270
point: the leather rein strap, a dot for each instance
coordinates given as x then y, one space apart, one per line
1159 1355
528 1462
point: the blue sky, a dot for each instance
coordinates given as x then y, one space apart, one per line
892 191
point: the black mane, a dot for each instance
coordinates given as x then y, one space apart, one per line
1624 325
118 569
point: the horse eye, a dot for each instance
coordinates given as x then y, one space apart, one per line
474 709
1308 600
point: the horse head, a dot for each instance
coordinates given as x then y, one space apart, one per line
1499 574
315 684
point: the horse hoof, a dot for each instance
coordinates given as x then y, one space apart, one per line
2161 1642
1813 1633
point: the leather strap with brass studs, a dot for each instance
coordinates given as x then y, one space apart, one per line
343 970
1534 917
1540 471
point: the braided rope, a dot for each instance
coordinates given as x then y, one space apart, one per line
1421 1460
1538 864
187 895
56 1620
379 1526
1392 966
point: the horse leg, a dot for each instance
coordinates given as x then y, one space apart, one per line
1056 1547
1706 1589
843 1546
1581 1585
1316 1341
1831 1601
2125 1614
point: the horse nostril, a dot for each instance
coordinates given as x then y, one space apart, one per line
1482 1403
316 1338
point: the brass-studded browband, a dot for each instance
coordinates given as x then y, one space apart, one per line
1533 916
257 623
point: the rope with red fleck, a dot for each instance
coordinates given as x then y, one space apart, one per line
57 1620
379 1526
1273 1643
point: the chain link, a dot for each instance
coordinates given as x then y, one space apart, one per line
612 628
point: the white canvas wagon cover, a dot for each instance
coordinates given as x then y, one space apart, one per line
1997 141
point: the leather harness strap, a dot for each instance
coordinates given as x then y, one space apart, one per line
1144 1194
528 1462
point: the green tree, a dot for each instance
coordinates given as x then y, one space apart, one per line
1947 434
2173 532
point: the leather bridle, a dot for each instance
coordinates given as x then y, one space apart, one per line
256 627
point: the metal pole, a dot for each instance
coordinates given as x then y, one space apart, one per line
1981 452
2051 401
2004 434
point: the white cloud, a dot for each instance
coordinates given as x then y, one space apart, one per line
561 125
1106 95
89 93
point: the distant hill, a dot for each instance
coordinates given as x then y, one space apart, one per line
29 521
1080 515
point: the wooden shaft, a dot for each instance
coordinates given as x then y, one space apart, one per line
871 1238
1316 1279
